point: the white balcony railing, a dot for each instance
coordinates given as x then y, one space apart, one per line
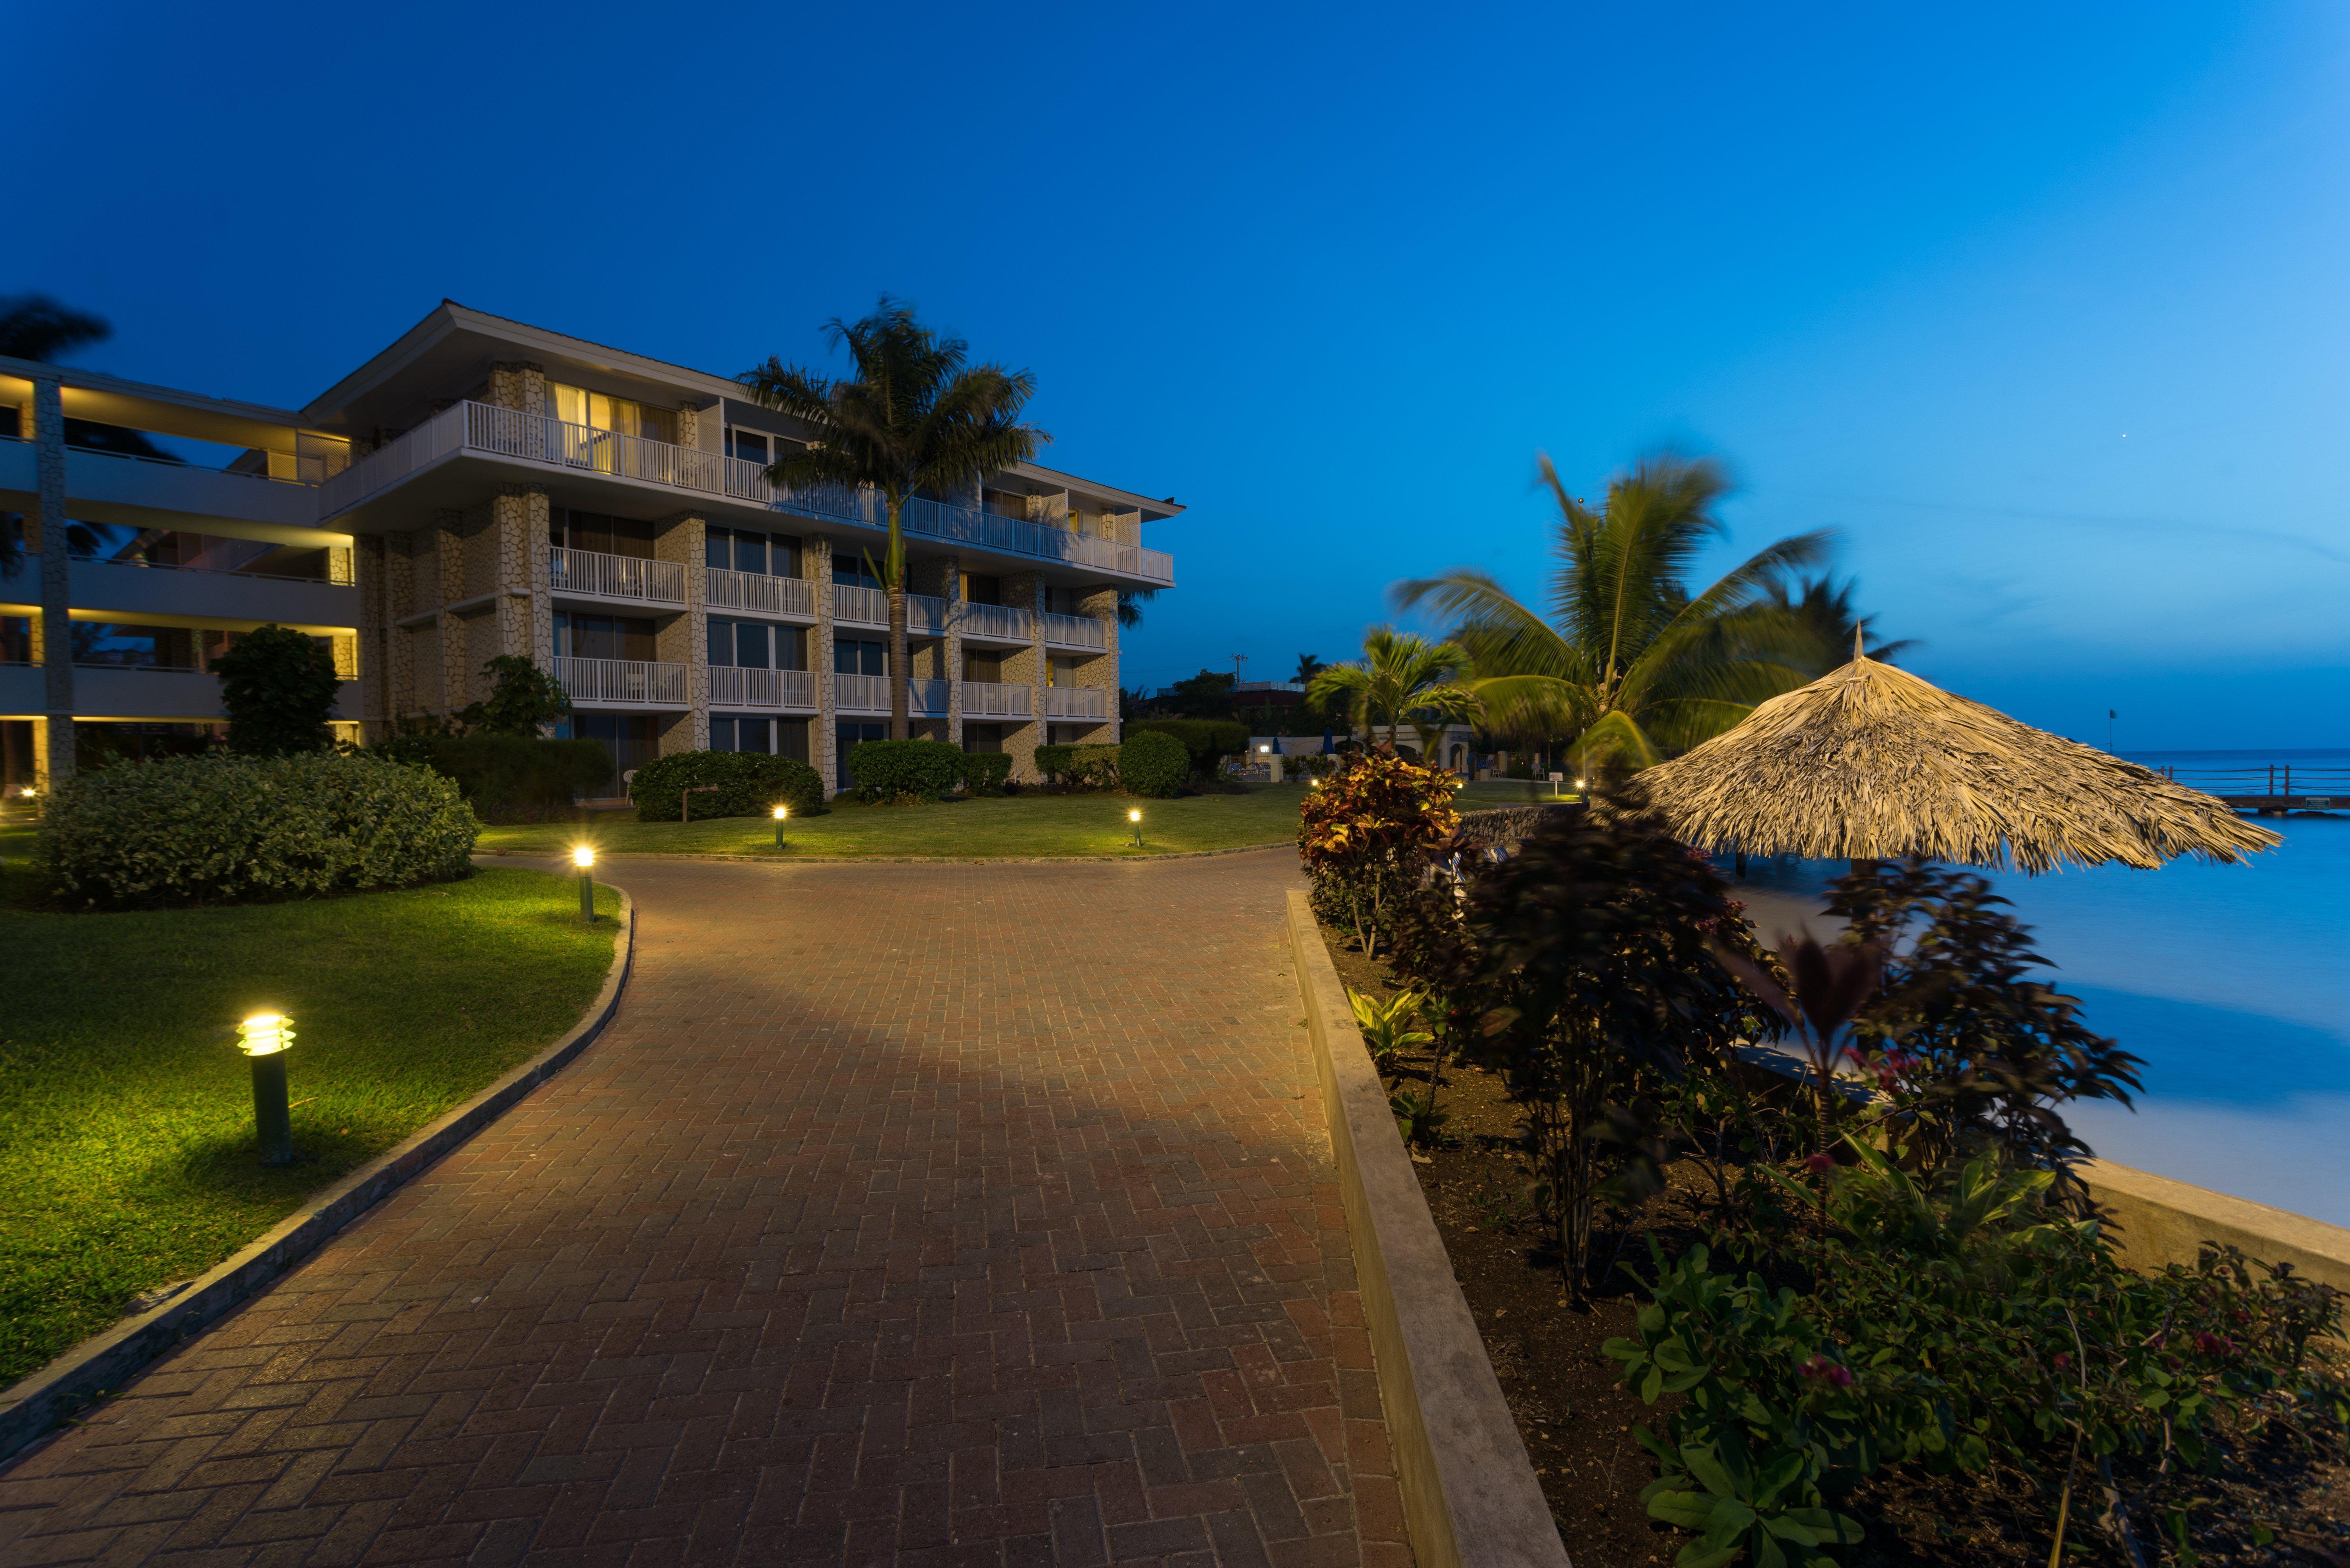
926 698
758 593
999 623
538 440
1074 632
593 575
732 686
990 700
926 616
635 681
866 606
1075 702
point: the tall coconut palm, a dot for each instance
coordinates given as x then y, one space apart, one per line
1399 675
916 416
1628 660
1825 605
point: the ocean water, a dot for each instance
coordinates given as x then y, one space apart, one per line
2232 982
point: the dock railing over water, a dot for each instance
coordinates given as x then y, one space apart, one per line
2274 786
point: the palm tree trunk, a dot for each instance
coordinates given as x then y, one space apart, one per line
901 676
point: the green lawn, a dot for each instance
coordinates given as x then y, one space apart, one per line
127 1161
1054 824
1512 792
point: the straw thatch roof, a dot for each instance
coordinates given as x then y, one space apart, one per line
1870 762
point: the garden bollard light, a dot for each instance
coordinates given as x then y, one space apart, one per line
585 859
1135 817
265 1037
781 812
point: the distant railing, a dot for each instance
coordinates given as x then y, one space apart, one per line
992 700
1004 623
598 575
732 686
539 439
632 680
1074 632
2272 780
1075 702
757 592
925 697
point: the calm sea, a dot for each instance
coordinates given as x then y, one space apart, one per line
2230 981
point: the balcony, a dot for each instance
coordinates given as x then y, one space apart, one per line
590 575
732 686
137 692
990 700
925 617
1076 631
758 593
1075 702
621 683
534 441
142 493
997 623
926 698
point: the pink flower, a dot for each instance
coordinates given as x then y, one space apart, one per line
1820 1369
2064 1359
2215 1344
1820 1164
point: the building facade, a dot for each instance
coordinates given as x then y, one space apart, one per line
484 488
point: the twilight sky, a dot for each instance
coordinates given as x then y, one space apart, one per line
2042 307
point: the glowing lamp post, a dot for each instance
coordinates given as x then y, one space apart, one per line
781 812
265 1037
1135 817
585 859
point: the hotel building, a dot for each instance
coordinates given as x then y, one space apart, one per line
481 488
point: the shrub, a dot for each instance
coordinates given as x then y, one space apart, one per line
905 770
507 778
1366 836
747 784
524 699
1209 741
984 772
278 686
1079 767
1153 763
227 829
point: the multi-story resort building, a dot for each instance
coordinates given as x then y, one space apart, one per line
483 488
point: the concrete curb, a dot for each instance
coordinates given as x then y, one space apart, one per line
1470 1496
106 1361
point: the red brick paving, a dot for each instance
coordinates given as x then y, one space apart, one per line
913 1215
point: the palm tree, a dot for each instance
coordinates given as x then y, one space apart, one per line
34 326
916 416
1826 606
1400 674
1628 660
1308 667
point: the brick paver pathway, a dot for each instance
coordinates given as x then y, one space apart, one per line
907 1214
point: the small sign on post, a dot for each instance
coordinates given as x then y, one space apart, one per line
1556 780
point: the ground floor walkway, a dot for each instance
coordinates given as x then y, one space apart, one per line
905 1214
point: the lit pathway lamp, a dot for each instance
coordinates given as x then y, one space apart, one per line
585 859
1135 817
265 1037
781 813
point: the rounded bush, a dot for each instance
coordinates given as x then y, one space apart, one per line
1153 763
748 784
509 778
984 773
222 828
1209 741
906 770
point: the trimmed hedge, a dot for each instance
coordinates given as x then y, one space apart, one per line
222 828
1153 763
1209 741
984 772
508 778
1079 766
747 784
906 770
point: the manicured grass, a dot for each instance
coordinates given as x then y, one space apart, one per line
129 1160
1513 792
1022 825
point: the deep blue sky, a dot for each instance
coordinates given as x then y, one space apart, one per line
2042 307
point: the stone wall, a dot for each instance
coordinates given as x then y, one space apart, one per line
1026 667
684 638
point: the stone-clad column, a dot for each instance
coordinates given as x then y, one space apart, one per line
685 638
524 607
937 577
46 532
449 544
824 745
1025 590
1101 670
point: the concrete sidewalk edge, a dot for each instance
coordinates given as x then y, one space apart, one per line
1470 1496
45 1400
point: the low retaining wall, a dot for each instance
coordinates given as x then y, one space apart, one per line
105 1362
1470 1496
2157 1221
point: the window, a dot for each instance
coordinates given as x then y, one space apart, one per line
743 732
756 645
981 665
746 550
848 733
1063 601
582 636
16 640
1061 669
853 656
577 406
599 532
982 737
851 569
749 445
978 589
629 737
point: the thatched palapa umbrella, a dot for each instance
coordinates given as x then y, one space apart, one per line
1870 762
